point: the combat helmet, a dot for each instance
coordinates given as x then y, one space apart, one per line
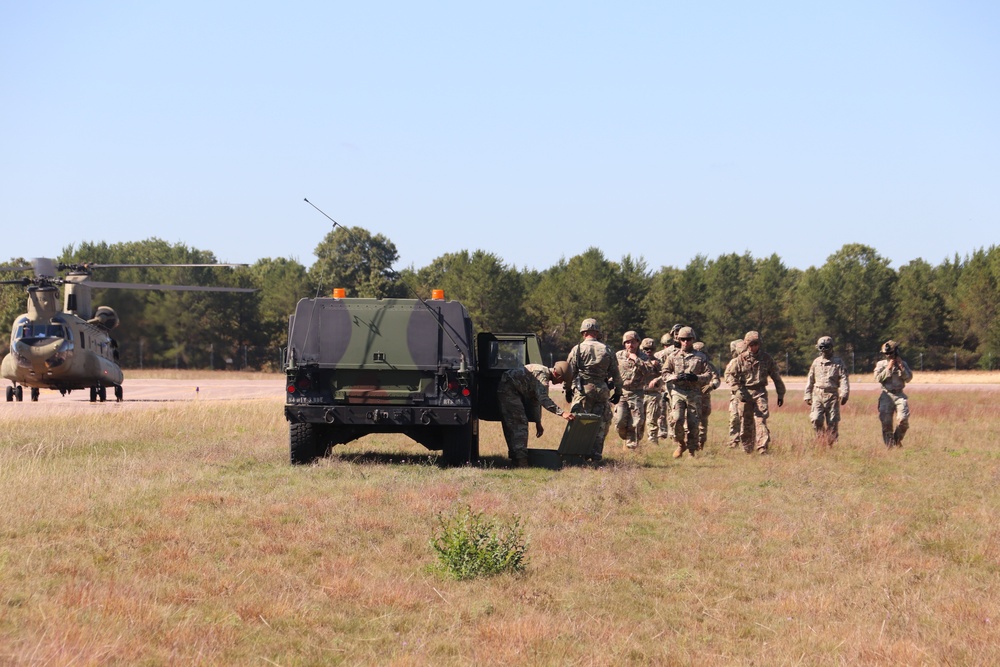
590 324
647 344
685 332
564 370
630 335
751 337
666 339
824 343
699 347
890 347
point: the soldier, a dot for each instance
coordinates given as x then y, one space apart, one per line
635 368
651 393
827 388
523 391
893 373
597 383
736 347
706 397
685 373
750 374
667 342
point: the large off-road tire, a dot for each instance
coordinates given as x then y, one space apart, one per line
93 394
102 394
34 394
18 394
118 393
305 443
10 394
459 448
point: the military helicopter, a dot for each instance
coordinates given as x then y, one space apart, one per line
71 348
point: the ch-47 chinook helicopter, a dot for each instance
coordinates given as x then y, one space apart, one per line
71 348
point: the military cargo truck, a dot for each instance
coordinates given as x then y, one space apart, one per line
361 366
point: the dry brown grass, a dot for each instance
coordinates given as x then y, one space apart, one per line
181 535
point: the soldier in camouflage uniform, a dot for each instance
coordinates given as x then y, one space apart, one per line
893 373
736 347
667 342
750 374
522 392
670 348
635 368
706 397
827 388
651 392
685 373
597 383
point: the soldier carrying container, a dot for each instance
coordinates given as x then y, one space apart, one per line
597 382
521 394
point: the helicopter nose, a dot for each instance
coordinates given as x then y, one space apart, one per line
42 359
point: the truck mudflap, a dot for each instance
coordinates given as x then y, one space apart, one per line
378 415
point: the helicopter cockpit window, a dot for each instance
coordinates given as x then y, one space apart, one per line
506 353
37 331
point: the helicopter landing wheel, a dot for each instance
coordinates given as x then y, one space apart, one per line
34 394
10 394
93 394
102 394
118 393
18 394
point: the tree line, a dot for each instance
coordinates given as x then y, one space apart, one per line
943 316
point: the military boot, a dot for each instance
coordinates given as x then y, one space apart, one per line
679 452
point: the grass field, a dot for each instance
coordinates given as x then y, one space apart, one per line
180 535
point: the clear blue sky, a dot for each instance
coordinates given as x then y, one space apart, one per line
532 130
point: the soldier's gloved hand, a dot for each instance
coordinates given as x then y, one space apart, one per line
781 401
843 401
617 396
569 394
539 430
808 400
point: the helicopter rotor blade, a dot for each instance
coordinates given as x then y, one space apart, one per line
153 266
15 268
172 288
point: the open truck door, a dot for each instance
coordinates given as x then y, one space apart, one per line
497 353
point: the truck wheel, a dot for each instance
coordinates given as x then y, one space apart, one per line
34 394
304 443
458 445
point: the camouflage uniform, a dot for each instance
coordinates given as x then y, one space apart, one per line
521 394
750 376
630 413
706 397
735 403
893 401
595 369
651 397
685 396
827 388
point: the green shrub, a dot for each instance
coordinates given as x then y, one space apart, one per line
469 545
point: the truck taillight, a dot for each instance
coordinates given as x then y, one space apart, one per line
303 384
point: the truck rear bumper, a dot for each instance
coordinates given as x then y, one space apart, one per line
378 415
